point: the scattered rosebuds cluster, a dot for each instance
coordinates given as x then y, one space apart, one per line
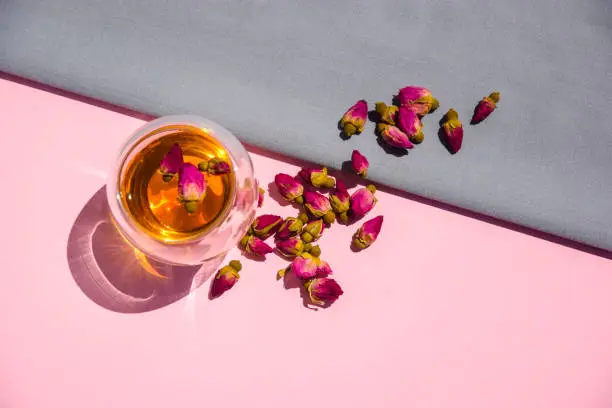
400 125
191 182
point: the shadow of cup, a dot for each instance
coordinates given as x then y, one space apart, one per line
119 277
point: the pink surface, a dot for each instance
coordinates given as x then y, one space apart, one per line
442 311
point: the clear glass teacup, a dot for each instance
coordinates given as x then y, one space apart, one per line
183 214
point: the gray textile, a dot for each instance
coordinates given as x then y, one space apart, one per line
281 73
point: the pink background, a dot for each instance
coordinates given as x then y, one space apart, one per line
442 311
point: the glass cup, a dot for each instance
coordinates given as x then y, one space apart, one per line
183 248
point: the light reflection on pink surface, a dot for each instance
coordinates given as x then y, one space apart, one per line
118 277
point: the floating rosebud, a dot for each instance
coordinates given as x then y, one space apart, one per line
289 188
418 99
485 107
452 130
313 230
307 266
255 246
191 186
359 163
289 227
340 200
290 247
386 113
354 119
409 123
362 201
260 196
225 279
368 232
318 177
266 225
393 136
214 166
323 290
319 206
171 163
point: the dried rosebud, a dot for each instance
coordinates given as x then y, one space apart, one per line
323 290
353 121
191 186
225 278
214 166
452 130
288 228
303 216
485 107
319 206
393 136
418 99
313 230
171 163
260 196
359 163
362 201
289 188
386 113
306 266
255 246
318 177
409 123
368 232
266 225
290 247
340 200
313 250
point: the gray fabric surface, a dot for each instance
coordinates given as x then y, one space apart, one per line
281 73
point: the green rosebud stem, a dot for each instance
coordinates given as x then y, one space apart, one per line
203 166
299 200
315 251
303 217
281 273
329 182
349 129
167 177
191 206
371 188
494 97
235 265
307 247
244 241
307 237
435 104
329 217
418 138
343 217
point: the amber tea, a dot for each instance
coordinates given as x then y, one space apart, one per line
152 201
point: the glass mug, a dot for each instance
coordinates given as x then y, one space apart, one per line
145 206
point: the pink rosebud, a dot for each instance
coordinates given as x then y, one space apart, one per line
255 246
323 290
353 121
290 227
290 247
359 163
172 162
368 232
362 201
225 278
452 130
340 200
260 197
318 177
319 206
394 137
191 186
313 230
386 113
408 122
289 188
266 225
485 107
418 99
304 266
